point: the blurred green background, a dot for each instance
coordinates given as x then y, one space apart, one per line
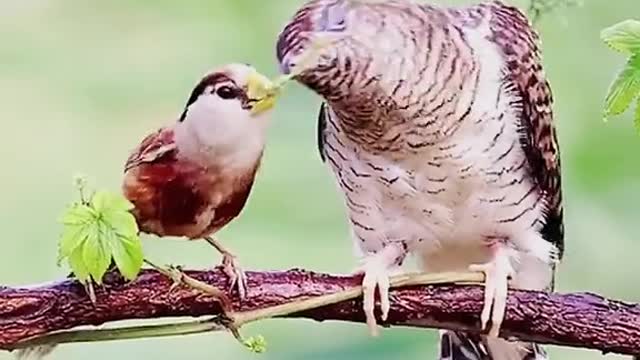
82 82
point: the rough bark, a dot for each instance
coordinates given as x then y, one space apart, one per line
577 320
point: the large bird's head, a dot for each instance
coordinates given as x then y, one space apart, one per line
315 20
228 106
358 46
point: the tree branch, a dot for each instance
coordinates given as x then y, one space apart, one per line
577 320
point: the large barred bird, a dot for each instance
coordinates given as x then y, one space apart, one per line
438 127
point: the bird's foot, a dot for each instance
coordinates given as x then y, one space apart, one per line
376 275
174 272
496 273
237 277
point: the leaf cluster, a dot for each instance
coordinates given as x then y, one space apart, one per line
97 231
624 37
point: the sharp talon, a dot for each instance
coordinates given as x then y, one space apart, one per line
497 273
233 282
176 274
242 285
176 277
375 276
499 306
385 304
237 278
368 303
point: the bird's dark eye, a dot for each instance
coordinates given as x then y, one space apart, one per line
227 92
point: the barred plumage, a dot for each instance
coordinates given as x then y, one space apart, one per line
437 125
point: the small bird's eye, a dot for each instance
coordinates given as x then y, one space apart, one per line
226 92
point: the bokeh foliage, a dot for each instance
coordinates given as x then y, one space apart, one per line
83 82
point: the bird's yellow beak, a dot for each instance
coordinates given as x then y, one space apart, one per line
263 91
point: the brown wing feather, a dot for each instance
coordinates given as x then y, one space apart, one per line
166 200
514 35
152 148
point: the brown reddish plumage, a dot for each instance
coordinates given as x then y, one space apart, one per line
193 177
174 196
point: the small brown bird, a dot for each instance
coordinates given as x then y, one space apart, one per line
193 177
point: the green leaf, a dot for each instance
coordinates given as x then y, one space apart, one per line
128 255
77 265
121 222
256 344
96 232
78 214
624 89
77 221
72 237
122 232
104 202
95 255
623 36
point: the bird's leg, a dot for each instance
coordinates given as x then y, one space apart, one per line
377 269
176 275
496 273
237 277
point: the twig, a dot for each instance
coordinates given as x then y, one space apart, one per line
581 320
178 278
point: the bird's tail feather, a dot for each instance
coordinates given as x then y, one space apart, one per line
462 346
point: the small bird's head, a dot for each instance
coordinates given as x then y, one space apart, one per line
233 89
228 106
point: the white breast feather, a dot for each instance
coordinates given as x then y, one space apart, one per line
447 229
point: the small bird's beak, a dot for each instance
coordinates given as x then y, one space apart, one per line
262 93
